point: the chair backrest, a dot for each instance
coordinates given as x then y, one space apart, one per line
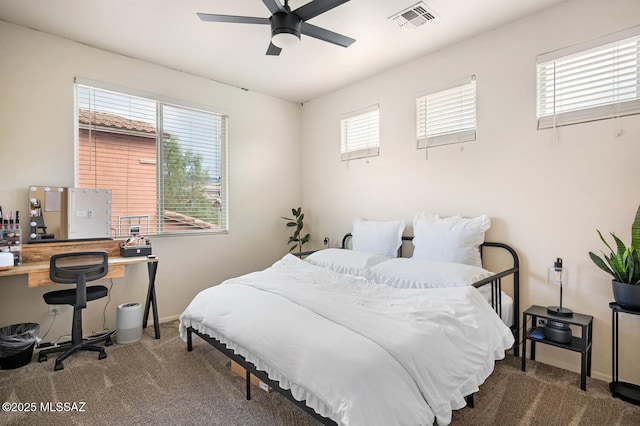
79 268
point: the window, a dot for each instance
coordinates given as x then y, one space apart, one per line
591 81
360 133
447 115
164 163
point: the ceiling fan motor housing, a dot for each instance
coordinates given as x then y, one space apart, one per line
288 23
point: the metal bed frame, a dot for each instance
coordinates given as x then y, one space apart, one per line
495 281
496 302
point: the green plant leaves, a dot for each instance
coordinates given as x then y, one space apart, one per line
635 231
296 221
623 264
600 263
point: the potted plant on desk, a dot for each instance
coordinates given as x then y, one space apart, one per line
623 264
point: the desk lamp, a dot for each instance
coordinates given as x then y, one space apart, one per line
558 331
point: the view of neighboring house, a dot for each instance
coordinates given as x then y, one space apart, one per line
108 143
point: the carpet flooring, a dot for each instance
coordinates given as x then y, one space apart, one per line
158 382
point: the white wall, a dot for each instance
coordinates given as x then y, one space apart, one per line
37 147
545 197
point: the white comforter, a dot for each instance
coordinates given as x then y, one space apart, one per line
357 352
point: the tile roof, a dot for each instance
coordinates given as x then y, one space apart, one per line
187 221
110 120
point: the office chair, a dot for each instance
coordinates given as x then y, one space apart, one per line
77 268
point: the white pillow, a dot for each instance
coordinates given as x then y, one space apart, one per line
345 261
451 239
413 273
383 238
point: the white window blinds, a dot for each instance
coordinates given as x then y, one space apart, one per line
360 133
164 163
447 115
586 82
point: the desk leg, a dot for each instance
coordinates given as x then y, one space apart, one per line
151 299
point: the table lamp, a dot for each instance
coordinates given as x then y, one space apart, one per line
558 331
558 275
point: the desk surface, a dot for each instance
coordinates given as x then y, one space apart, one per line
37 269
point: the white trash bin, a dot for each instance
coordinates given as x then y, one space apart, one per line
129 323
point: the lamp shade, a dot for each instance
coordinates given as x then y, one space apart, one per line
557 275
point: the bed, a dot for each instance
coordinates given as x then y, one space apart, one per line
359 352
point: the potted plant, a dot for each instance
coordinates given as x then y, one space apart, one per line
623 264
296 221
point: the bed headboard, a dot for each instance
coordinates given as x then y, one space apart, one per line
510 250
347 237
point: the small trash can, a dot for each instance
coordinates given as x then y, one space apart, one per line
129 323
16 344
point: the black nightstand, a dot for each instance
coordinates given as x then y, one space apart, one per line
581 344
625 391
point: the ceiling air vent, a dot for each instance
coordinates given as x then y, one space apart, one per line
414 16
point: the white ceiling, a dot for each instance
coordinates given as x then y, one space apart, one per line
168 33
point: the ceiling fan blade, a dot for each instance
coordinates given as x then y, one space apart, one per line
326 35
274 6
316 7
209 17
273 50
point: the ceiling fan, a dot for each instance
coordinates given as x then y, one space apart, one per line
287 25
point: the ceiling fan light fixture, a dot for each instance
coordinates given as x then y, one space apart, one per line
287 26
285 30
285 38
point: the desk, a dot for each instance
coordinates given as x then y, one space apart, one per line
35 265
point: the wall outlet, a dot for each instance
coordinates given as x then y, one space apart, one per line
541 322
325 242
54 310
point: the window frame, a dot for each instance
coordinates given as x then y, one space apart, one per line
549 115
464 89
368 145
161 102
